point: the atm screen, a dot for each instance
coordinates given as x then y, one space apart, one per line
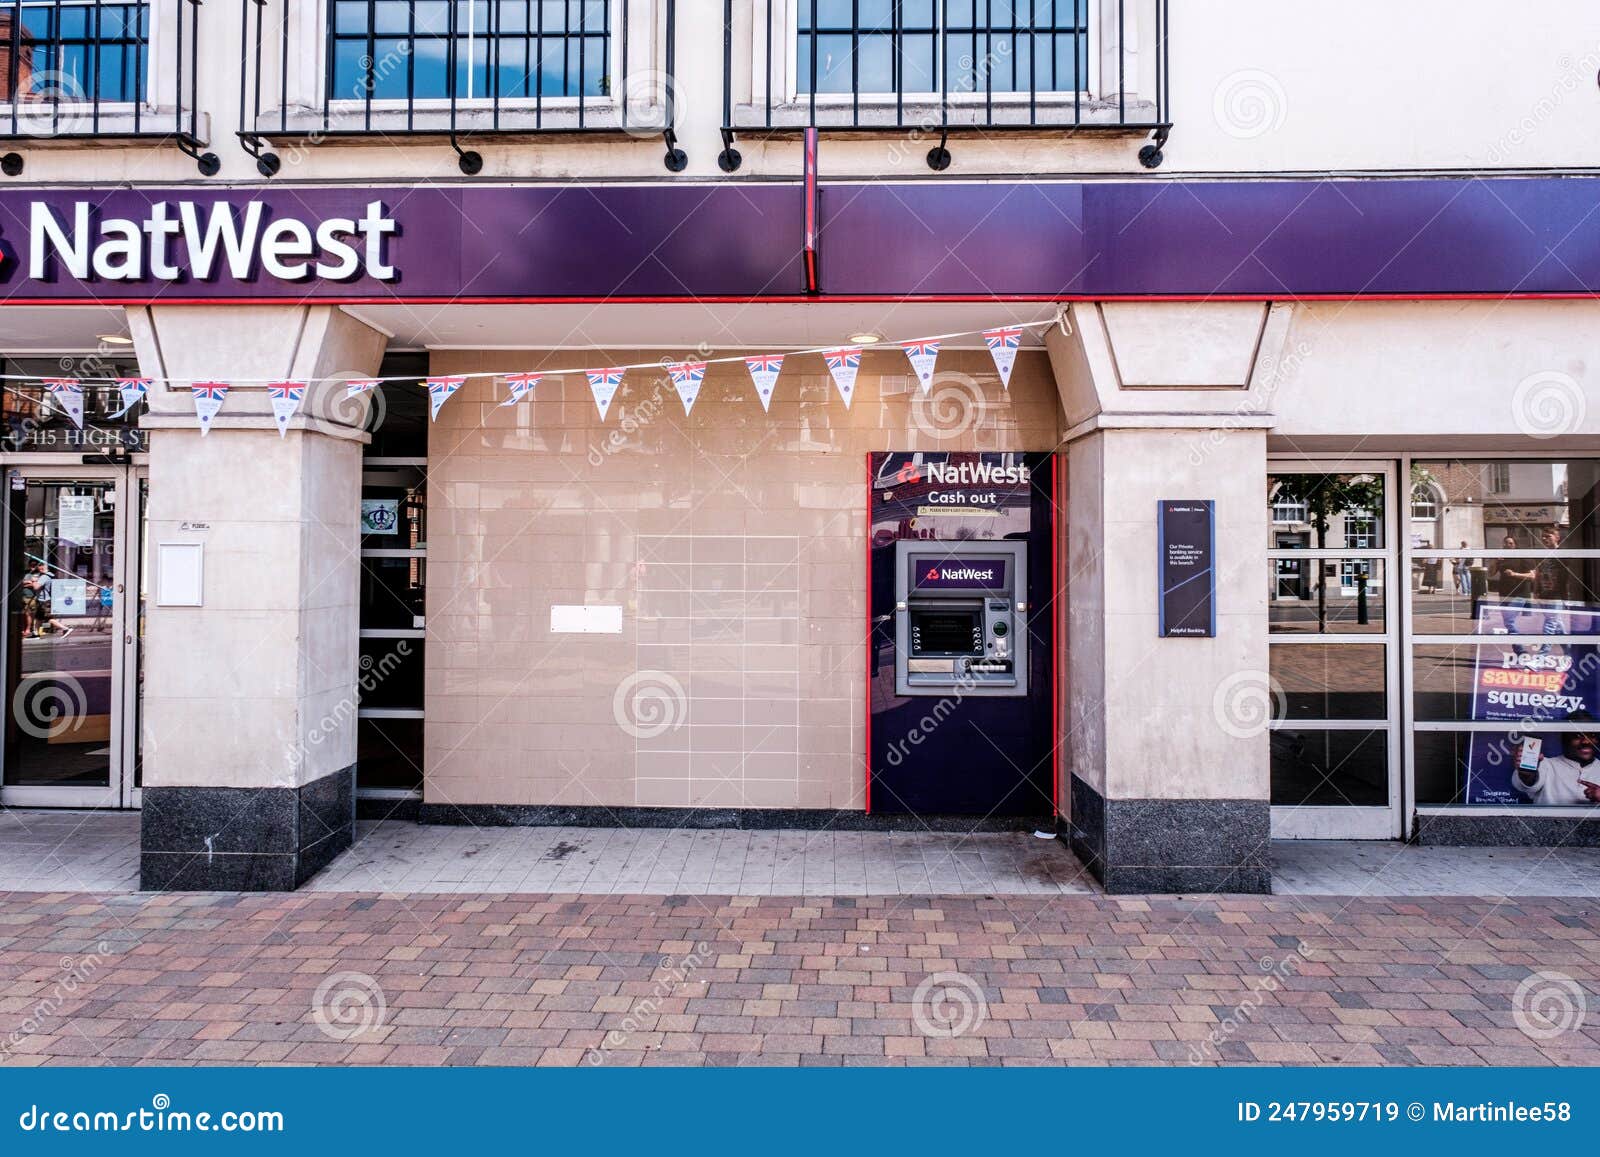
946 632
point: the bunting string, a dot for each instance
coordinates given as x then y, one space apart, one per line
843 364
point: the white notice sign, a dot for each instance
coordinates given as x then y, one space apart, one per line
75 519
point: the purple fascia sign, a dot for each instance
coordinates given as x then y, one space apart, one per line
958 574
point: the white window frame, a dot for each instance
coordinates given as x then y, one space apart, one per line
1411 639
118 117
1321 821
310 76
420 633
792 95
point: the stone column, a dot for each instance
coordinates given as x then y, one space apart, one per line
1165 742
1166 738
249 706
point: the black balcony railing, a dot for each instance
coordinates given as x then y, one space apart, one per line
931 68
85 69
457 69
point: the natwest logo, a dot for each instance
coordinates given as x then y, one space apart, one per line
962 572
975 473
202 241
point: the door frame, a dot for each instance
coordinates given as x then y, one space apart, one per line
1323 822
127 532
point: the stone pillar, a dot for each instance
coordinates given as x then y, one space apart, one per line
1165 737
248 719
1167 751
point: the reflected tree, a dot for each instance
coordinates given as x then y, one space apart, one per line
1324 496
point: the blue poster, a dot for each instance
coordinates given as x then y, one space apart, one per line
1547 690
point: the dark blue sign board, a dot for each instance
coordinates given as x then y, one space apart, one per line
1187 530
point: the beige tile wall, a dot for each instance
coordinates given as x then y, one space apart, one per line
732 539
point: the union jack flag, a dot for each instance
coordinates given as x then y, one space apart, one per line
998 339
603 384
687 373
439 391
686 379
519 385
355 387
207 402
843 364
285 398
846 359
764 370
133 391
923 354
68 394
1003 345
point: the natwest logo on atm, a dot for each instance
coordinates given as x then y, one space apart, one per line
988 574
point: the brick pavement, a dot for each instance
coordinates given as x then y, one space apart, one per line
568 980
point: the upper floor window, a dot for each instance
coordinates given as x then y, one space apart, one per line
1424 502
928 46
70 51
1289 512
470 49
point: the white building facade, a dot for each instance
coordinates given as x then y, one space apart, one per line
1292 484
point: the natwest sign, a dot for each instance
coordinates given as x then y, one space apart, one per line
184 239
960 574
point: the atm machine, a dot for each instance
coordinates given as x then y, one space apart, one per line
961 646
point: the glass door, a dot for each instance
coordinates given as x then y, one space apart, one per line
71 636
1334 662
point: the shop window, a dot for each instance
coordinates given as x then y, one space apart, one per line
1506 682
73 51
1317 768
1339 509
1330 646
959 46
1424 502
408 50
394 549
35 423
1288 513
